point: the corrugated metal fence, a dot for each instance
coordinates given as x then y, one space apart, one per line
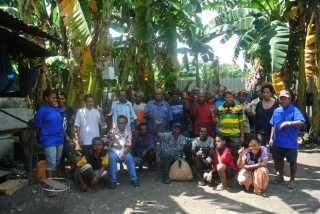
231 83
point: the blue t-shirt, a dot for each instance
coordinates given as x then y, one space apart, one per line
49 121
159 111
287 136
178 110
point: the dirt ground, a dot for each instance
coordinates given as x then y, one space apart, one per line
181 197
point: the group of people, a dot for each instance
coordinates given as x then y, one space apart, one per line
222 135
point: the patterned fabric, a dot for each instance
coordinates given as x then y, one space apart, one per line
248 160
229 119
123 138
172 146
67 121
259 178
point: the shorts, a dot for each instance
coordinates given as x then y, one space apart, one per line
279 153
94 172
53 156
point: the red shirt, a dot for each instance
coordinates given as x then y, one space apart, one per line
202 115
226 159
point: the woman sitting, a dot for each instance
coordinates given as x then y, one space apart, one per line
92 167
223 166
253 163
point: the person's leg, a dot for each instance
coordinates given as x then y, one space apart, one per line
278 157
291 156
221 168
58 158
261 180
165 162
234 145
50 153
245 178
112 168
128 160
151 159
198 164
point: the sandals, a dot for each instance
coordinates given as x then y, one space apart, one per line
292 184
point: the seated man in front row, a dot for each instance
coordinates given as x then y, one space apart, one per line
202 151
143 147
172 145
119 145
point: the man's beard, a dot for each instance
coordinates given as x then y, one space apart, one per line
204 138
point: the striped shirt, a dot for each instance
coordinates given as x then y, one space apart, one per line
229 119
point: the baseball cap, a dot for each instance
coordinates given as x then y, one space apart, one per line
284 93
177 125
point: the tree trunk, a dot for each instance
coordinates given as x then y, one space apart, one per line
196 60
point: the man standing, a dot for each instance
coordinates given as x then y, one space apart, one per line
158 109
139 107
178 109
122 107
172 146
202 113
230 118
119 145
202 149
284 133
87 123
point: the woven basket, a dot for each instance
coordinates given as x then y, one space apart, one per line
180 171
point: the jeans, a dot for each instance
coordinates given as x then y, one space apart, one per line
112 167
53 156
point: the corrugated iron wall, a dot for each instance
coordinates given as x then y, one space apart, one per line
231 83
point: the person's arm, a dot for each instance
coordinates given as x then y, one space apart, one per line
102 120
156 129
95 179
240 161
291 123
241 132
271 136
108 109
188 85
77 128
257 165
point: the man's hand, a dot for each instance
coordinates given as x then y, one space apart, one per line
199 152
122 157
284 124
271 142
158 122
209 159
95 180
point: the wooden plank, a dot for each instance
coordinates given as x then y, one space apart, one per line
4 173
11 186
55 184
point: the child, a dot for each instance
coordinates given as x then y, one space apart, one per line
92 167
223 166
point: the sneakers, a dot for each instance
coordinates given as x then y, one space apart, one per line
135 183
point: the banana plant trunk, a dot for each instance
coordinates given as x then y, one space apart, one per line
196 60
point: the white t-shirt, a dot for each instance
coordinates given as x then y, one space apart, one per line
88 122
